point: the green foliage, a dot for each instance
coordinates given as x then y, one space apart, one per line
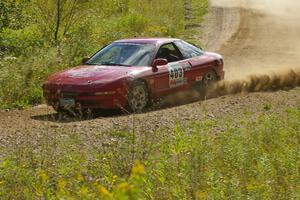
21 41
11 14
259 160
39 37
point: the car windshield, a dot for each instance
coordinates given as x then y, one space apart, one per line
124 54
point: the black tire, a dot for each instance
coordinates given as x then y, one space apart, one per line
138 97
74 112
59 109
209 78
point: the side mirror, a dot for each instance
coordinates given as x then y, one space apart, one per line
158 62
84 60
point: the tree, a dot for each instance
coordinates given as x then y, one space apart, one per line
57 17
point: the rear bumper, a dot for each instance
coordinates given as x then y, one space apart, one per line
221 75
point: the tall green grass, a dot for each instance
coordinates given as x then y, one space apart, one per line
258 160
32 54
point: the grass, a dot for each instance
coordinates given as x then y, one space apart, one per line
32 54
258 160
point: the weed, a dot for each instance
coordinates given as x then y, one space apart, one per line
258 160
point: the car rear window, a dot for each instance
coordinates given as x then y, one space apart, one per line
188 50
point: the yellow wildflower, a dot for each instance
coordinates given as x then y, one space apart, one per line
124 187
114 179
2 183
202 195
61 184
103 191
5 163
84 191
43 176
80 177
138 168
251 187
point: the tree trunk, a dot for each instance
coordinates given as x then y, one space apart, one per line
58 4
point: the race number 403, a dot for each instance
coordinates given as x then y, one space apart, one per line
176 75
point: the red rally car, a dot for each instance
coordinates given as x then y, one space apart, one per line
131 73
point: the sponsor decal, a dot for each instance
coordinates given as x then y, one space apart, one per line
186 66
176 74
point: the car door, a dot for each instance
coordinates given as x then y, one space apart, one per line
197 62
170 78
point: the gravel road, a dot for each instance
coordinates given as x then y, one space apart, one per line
252 41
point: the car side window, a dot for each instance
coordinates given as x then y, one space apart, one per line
169 52
188 50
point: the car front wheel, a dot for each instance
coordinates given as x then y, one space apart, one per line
138 97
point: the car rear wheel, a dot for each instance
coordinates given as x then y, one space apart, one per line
208 80
138 97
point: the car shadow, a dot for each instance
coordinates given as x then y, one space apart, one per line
67 117
169 101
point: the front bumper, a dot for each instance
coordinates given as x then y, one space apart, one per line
103 99
92 102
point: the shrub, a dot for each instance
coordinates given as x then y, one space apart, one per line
259 160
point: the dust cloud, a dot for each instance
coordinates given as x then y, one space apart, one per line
283 8
256 83
264 53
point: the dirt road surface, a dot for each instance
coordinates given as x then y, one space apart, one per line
253 41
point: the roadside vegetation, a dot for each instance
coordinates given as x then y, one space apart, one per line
40 37
241 155
256 159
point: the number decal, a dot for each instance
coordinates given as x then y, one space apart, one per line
176 75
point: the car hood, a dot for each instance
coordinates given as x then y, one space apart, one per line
87 74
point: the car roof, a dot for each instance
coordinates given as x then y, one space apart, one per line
148 40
